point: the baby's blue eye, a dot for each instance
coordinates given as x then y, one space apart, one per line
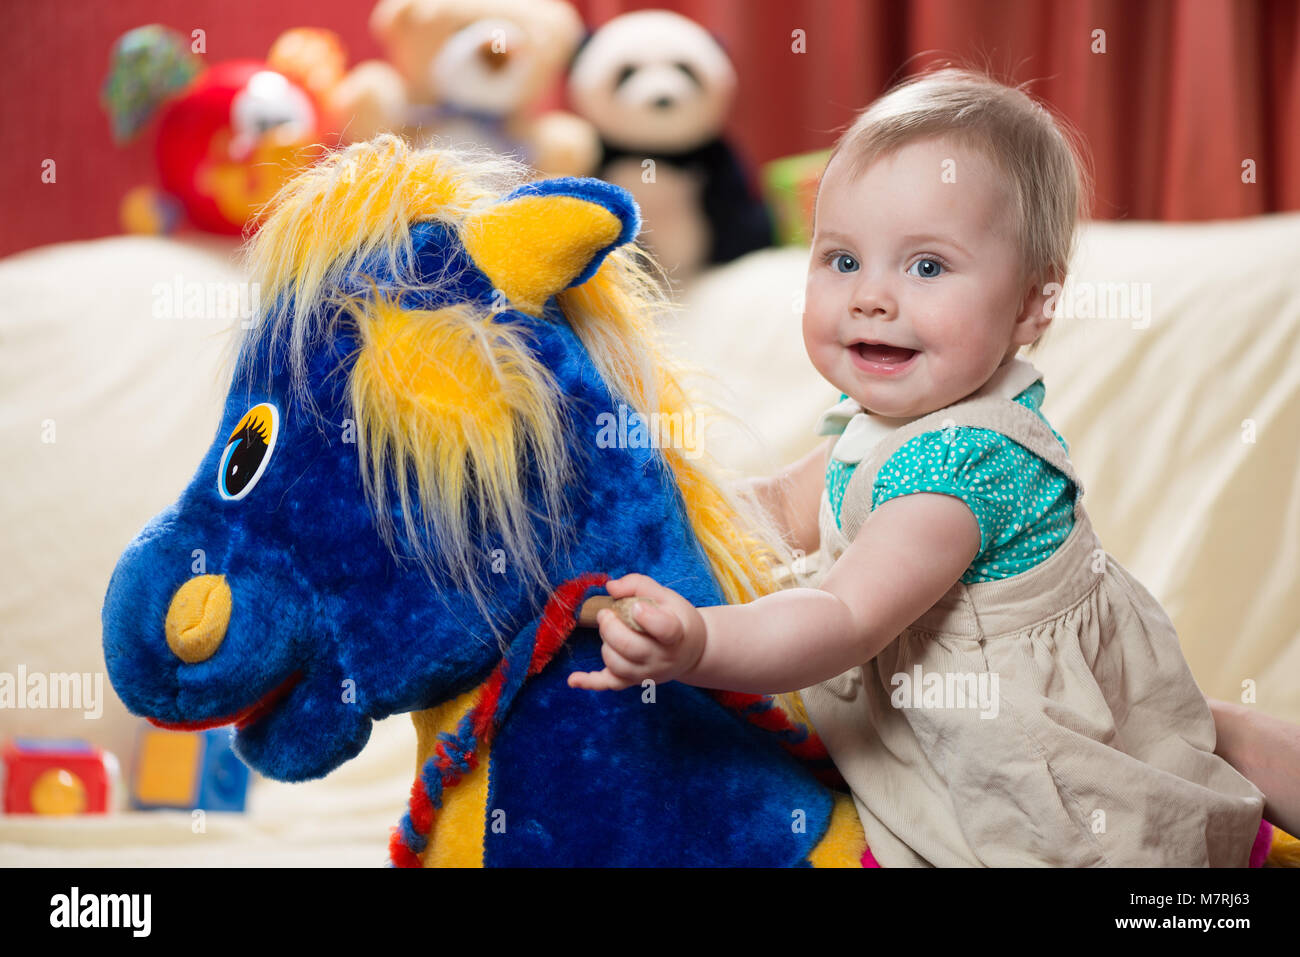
926 268
843 262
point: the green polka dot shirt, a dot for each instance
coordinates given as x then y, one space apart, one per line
1025 507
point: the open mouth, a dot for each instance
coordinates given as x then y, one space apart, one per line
882 359
240 719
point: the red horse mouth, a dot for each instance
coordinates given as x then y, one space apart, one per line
240 719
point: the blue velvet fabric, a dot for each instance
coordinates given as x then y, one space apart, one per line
584 777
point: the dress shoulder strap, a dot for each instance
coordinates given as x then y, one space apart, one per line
994 412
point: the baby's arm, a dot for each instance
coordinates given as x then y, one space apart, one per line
793 495
1266 751
907 554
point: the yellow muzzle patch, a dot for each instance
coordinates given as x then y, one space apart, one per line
197 618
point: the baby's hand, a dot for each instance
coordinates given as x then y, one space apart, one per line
672 645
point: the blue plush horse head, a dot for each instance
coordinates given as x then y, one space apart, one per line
426 434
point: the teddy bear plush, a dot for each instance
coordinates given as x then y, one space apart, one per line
658 87
471 72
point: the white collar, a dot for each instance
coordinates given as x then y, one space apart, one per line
861 430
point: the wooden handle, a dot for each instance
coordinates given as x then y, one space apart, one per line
622 607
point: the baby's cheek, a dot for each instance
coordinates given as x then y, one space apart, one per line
814 306
938 327
817 332
956 326
972 348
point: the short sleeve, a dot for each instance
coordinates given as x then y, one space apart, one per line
984 469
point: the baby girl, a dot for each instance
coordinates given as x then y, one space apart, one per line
994 688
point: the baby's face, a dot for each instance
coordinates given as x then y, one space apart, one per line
915 289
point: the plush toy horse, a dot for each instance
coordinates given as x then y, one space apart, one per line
414 485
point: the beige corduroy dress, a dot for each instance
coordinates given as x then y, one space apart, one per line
1048 718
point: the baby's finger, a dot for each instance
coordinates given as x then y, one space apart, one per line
661 624
602 680
640 585
634 584
633 646
619 666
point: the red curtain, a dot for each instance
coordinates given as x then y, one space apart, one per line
1185 92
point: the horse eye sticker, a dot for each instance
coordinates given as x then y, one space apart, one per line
247 451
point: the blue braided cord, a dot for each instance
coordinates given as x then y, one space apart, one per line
520 656
465 731
456 752
432 778
795 735
414 841
516 670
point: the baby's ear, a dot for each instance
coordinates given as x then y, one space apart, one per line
544 237
1038 308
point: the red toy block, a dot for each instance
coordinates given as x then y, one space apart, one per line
65 776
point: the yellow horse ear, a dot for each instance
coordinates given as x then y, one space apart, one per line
545 237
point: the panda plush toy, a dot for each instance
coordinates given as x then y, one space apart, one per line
658 88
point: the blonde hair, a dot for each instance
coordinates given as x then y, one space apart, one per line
1042 159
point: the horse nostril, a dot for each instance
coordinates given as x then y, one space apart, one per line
197 618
